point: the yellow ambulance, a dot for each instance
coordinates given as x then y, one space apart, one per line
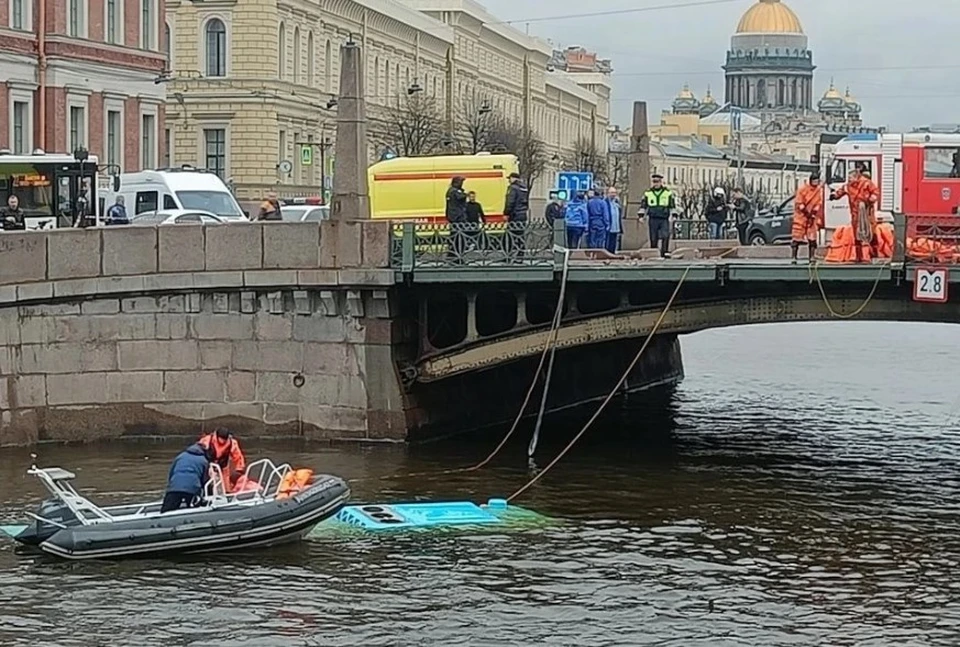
415 188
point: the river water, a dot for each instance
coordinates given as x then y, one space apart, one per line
799 488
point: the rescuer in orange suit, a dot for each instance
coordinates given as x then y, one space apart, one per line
863 195
807 217
226 453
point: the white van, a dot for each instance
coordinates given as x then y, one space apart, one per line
186 187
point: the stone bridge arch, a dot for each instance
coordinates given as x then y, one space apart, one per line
688 317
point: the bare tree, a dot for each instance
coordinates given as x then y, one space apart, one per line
587 158
510 137
618 170
412 129
474 126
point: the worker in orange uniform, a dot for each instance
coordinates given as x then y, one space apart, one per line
807 217
226 454
863 195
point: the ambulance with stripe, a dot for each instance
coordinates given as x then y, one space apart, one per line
415 188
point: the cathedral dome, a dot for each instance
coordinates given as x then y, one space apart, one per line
850 102
769 17
686 102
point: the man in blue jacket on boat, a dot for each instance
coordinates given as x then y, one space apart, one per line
188 474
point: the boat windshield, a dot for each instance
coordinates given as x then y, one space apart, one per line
220 203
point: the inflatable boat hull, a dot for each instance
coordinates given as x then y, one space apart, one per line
230 527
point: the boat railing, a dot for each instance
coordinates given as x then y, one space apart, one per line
269 475
215 491
57 481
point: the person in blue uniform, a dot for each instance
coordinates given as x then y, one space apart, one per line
598 221
188 474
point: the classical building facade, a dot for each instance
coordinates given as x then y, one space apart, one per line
252 84
80 73
769 103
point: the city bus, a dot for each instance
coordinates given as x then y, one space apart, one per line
53 188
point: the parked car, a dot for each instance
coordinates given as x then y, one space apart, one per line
772 226
304 213
176 217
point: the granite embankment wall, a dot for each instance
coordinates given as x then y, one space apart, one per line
275 329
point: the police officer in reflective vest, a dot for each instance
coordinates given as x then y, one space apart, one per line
657 206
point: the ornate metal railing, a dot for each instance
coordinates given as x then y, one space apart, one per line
698 229
474 245
932 239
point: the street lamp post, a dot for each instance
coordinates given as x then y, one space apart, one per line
323 145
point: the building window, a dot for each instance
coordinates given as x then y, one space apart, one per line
311 80
21 128
78 123
75 18
167 148
216 35
215 150
18 14
281 52
148 25
281 151
296 55
113 21
167 45
327 67
114 137
148 142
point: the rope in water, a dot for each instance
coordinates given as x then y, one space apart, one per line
613 391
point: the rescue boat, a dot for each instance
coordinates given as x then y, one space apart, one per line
271 505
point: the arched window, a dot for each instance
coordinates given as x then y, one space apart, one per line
386 80
216 43
375 88
327 68
311 59
296 55
168 45
282 52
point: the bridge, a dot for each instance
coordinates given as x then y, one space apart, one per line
367 331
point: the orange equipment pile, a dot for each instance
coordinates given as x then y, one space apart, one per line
843 245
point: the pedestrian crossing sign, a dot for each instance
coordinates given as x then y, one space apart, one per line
306 155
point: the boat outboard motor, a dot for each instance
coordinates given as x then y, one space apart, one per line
39 531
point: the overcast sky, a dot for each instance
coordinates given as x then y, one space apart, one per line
655 52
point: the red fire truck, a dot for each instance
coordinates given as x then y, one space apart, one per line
917 174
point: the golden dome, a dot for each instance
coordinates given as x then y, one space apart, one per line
833 93
849 97
769 17
685 93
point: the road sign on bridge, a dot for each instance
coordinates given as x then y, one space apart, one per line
930 284
569 182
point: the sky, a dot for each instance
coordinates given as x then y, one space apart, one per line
899 57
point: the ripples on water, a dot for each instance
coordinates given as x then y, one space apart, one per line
800 489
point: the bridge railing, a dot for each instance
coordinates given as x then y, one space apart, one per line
472 245
698 229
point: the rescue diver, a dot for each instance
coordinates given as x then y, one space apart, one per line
226 453
189 473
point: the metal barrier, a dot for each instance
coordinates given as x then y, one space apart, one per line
932 239
473 245
698 229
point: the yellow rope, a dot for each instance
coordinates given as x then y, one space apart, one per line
815 275
613 391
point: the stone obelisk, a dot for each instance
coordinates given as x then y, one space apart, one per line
350 200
